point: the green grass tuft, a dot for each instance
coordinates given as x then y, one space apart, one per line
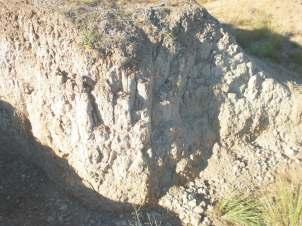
262 43
241 210
90 39
280 206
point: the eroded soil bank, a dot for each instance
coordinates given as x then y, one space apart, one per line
145 105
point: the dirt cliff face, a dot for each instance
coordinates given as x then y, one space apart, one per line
148 103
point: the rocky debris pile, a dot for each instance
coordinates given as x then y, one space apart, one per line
190 203
142 103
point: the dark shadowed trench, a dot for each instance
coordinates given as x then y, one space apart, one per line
28 197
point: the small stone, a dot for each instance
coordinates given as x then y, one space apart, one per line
298 160
206 221
201 190
210 208
290 152
192 203
195 219
63 207
190 197
198 209
203 204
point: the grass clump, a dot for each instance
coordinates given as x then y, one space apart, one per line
260 38
89 2
90 39
142 218
280 206
240 210
262 43
283 206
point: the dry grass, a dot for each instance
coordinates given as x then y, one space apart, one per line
90 39
255 29
281 205
84 1
268 29
143 219
258 36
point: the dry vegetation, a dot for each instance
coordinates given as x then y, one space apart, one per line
267 29
270 30
280 205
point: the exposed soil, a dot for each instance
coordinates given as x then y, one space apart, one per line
29 198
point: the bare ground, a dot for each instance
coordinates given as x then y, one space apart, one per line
29 198
268 29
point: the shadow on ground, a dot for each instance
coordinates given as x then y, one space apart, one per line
270 46
29 197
